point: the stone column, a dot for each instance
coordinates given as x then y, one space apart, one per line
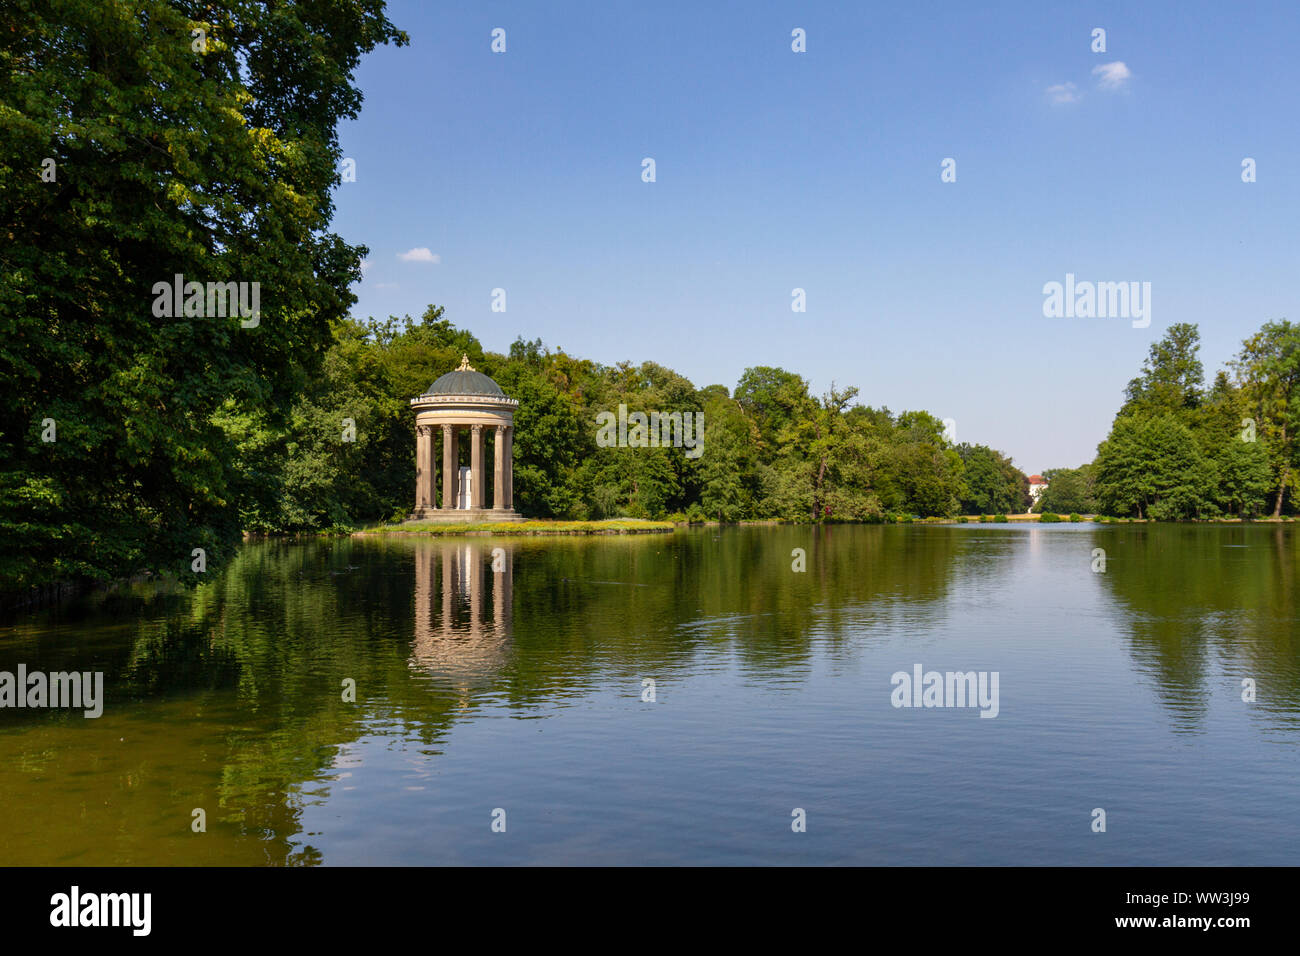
422 442
476 467
448 467
499 469
507 455
430 469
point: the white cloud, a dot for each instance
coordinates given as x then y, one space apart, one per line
1112 76
421 254
365 264
1064 93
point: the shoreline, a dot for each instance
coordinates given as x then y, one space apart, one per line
520 529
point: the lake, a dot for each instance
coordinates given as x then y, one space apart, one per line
685 698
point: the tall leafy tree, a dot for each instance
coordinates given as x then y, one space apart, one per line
772 398
1268 368
727 462
1069 490
1171 376
140 141
1152 467
991 483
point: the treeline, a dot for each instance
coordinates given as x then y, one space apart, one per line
770 450
1179 450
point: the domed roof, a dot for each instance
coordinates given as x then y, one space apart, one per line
465 381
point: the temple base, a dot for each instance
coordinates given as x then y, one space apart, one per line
463 515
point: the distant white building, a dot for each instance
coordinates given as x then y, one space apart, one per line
1037 485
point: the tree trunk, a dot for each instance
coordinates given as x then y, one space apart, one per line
817 491
1281 484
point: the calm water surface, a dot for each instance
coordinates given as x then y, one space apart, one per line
522 690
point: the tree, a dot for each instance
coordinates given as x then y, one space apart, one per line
727 459
1244 477
772 398
1171 376
550 440
1069 491
1152 467
208 155
991 483
1268 368
812 443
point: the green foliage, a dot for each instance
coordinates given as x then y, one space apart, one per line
1170 380
1177 450
991 483
1268 372
303 478
1068 489
1153 468
1048 517
215 164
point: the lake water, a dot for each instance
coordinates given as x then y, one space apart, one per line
521 689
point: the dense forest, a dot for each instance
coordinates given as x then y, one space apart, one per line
1178 449
771 448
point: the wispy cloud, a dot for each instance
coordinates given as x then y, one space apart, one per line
1112 76
1064 93
365 264
422 254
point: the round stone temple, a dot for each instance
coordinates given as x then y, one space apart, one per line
464 402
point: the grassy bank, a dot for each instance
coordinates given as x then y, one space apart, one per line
522 528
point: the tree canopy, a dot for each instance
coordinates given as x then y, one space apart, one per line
143 151
1179 450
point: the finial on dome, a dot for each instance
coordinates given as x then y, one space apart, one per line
464 364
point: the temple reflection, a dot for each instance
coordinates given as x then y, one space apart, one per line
463 610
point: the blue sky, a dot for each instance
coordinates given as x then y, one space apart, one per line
821 170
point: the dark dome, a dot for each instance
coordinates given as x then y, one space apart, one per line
465 381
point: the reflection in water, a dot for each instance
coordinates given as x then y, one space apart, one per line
1199 600
773 687
462 628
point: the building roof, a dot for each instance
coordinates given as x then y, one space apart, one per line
465 381
1037 480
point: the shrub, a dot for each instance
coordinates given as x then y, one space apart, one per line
1000 519
1074 516
1048 517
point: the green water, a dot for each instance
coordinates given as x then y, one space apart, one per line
521 689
